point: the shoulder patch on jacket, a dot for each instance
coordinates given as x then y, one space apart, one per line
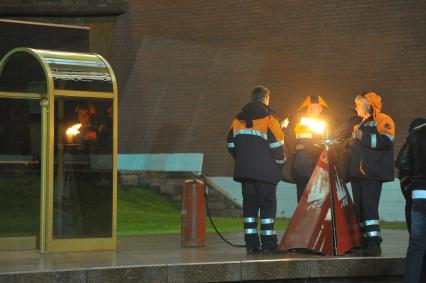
385 125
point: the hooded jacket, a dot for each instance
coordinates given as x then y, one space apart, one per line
411 160
301 140
256 142
372 155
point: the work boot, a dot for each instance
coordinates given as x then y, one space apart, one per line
253 250
372 251
371 247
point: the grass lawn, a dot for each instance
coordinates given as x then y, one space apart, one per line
19 205
141 211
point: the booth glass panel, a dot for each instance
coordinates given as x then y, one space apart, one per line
19 167
83 169
80 75
30 80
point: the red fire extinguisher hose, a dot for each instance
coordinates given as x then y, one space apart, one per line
210 218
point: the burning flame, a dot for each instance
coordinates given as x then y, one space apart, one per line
72 131
316 125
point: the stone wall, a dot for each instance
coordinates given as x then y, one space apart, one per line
49 8
170 184
186 67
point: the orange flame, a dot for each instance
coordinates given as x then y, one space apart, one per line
72 131
315 125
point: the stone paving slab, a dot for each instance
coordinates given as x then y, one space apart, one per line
159 258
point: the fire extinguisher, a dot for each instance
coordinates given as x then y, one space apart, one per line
193 215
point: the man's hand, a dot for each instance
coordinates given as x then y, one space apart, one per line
357 134
284 123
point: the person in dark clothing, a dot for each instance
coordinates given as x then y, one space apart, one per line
411 163
303 130
371 162
404 174
86 137
256 142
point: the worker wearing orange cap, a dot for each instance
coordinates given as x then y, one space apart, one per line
371 164
306 127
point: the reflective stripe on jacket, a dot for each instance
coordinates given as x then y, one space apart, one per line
256 141
372 156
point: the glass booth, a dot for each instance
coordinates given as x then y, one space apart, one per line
58 153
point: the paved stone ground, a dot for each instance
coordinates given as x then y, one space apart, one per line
160 258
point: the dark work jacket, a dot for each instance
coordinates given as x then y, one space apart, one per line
412 158
372 156
256 142
307 151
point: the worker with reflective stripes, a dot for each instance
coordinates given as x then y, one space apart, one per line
411 162
303 130
371 164
256 142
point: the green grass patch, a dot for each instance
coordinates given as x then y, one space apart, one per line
393 225
19 205
141 211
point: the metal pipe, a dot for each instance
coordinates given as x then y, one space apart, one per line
43 178
333 215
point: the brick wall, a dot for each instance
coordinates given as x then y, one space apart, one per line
23 3
100 36
186 67
61 7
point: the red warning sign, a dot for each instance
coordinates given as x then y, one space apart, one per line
318 226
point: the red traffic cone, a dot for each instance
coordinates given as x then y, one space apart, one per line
316 224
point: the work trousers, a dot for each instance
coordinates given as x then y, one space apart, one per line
408 207
414 264
259 199
366 195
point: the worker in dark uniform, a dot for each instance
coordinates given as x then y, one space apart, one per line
256 142
303 130
371 161
87 132
79 183
411 162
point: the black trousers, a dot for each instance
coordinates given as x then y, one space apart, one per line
408 201
366 195
415 263
411 259
259 199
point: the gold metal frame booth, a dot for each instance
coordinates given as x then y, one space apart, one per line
74 63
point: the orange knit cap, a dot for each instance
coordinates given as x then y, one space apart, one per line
375 101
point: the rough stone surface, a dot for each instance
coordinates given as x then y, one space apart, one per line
218 272
155 274
275 269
